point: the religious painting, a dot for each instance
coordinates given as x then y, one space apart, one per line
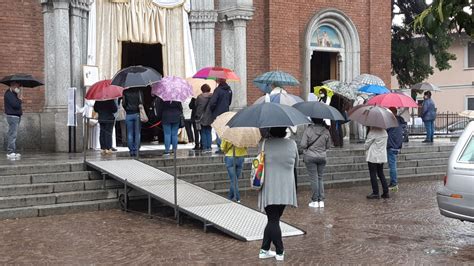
325 36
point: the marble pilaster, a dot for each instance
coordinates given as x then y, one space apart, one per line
49 47
240 63
203 18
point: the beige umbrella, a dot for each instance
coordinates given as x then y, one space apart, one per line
238 136
467 113
197 83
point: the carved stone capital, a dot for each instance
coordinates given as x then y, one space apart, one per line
235 13
203 16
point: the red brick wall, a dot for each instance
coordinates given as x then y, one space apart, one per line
21 47
275 36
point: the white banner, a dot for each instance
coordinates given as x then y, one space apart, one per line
71 107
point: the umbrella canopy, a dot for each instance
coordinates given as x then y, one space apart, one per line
342 89
24 79
319 110
374 89
329 91
197 84
467 113
238 136
216 73
425 86
392 100
373 116
277 78
282 97
136 76
103 91
267 115
172 88
367 79
312 97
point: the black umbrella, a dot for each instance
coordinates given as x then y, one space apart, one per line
136 76
319 110
267 115
24 79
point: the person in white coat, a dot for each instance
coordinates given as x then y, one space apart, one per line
376 150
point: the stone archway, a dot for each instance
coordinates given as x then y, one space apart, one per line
349 50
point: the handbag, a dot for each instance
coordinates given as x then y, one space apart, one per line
181 119
143 116
121 114
257 175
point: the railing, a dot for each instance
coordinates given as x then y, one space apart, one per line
445 124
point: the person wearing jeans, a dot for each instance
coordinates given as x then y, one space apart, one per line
234 161
170 113
13 111
133 133
171 136
428 115
204 117
376 150
106 110
394 144
206 138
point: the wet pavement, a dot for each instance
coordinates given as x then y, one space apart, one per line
405 229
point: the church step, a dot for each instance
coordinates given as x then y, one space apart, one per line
23 169
55 209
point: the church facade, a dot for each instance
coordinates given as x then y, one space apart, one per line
54 39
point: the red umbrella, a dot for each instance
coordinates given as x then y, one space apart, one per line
216 73
103 91
392 100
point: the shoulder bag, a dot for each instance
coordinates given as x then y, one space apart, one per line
143 116
257 175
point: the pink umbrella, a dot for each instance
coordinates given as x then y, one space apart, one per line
172 88
216 73
392 100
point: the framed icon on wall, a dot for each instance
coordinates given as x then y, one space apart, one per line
90 74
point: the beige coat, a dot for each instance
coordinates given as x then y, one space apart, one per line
376 145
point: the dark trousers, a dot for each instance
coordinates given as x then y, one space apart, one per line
376 169
105 137
187 125
272 231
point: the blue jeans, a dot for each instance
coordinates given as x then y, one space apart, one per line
133 133
429 126
218 142
13 123
206 137
392 165
234 175
171 136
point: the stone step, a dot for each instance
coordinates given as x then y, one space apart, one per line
45 188
49 178
62 208
55 198
23 169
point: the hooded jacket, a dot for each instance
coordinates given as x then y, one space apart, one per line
428 112
220 100
395 135
203 111
12 104
318 137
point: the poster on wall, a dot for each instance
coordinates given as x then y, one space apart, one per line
325 36
71 107
91 75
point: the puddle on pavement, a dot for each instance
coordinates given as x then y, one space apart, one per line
441 251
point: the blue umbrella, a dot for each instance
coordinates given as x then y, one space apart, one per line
374 89
277 78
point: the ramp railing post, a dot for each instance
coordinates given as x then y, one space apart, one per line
149 206
103 180
176 211
236 178
126 195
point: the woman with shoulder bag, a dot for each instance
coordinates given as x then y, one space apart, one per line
204 118
315 142
279 188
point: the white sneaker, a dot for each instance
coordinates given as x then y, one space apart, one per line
266 254
11 155
313 204
321 204
17 155
280 257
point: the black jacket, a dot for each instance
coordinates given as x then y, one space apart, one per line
12 103
131 100
192 106
395 135
220 100
203 110
106 110
170 112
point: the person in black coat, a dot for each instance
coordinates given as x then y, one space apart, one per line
106 110
170 113
220 103
13 111
132 98
195 131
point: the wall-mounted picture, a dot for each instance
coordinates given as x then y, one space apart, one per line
325 36
91 75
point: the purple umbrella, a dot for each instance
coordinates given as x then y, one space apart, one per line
172 88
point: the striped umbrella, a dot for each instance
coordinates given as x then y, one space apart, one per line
277 78
282 97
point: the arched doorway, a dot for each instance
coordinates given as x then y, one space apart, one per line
332 49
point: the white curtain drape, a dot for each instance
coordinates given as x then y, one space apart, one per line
144 21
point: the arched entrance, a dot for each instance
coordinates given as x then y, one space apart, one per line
332 49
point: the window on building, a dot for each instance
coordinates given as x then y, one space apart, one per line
470 55
470 103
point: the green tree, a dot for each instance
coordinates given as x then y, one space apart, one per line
410 47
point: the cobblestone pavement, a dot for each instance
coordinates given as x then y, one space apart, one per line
405 229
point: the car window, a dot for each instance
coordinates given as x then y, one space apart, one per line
467 155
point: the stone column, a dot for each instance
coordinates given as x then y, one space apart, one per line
240 63
203 19
227 45
76 47
49 47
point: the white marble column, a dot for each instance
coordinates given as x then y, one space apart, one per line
49 48
203 19
76 49
62 55
240 63
227 45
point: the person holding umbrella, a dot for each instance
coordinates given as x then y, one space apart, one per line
394 145
170 113
220 103
132 98
376 150
204 117
234 162
106 110
13 110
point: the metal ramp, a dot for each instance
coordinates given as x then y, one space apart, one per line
214 210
